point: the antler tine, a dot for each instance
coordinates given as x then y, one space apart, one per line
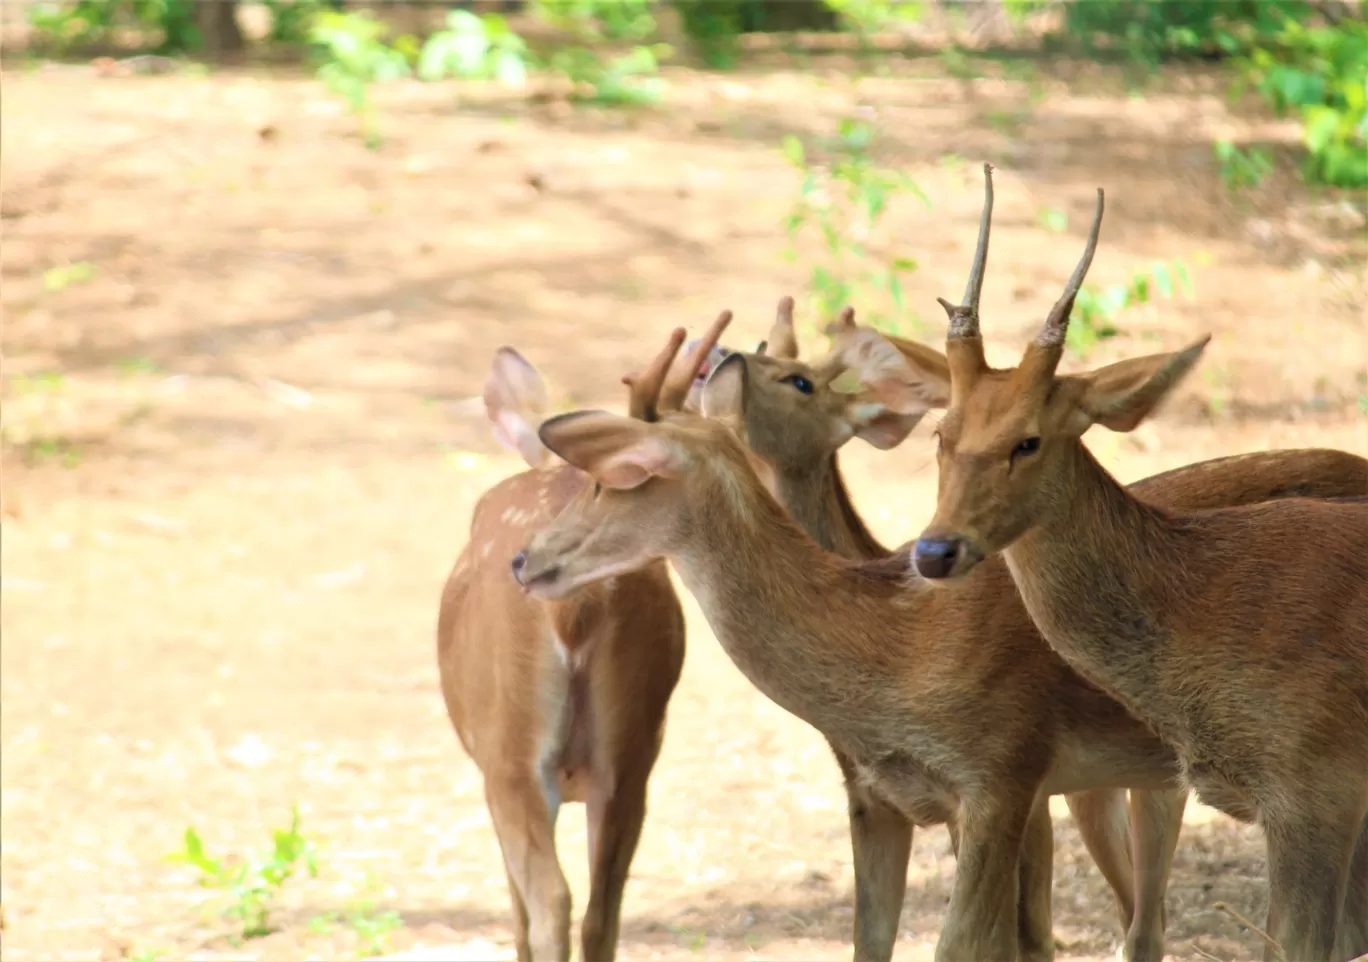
676 387
645 388
781 341
964 318
1057 323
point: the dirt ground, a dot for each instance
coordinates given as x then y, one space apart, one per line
242 440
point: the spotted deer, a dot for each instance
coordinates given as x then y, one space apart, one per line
1239 634
560 701
946 704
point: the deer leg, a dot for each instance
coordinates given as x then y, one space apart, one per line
1102 824
524 947
1353 924
1035 919
881 843
1156 821
1308 868
526 827
981 921
616 814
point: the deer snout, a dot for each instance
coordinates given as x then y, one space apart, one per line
937 558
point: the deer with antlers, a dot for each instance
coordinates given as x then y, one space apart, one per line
1239 634
946 706
560 701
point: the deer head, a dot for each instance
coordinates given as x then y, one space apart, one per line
793 414
660 392
1006 444
646 478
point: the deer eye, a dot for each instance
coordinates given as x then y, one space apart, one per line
802 384
1026 446
598 489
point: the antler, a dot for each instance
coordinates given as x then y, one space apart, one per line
964 318
644 389
675 388
1057 323
782 342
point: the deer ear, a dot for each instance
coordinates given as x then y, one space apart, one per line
616 451
888 394
724 396
1121 395
515 400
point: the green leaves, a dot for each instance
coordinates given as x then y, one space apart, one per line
475 47
250 885
1095 312
843 198
1320 73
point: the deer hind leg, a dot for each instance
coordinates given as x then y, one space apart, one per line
1309 855
1102 824
526 827
881 845
1035 919
616 814
1353 925
1156 819
981 921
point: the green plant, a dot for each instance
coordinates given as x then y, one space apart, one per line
291 19
354 55
844 200
1241 169
1053 219
372 927
59 278
251 885
1095 312
90 22
865 17
1320 73
714 27
480 47
1149 31
623 79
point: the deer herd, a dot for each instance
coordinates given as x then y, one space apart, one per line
1051 631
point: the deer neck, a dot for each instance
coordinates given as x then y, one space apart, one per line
818 500
792 617
1096 576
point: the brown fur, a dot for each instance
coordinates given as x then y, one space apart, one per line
847 648
1240 634
557 701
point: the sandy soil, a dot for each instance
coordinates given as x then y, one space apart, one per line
241 447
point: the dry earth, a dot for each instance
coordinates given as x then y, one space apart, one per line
241 447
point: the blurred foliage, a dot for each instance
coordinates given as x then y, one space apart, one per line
843 200
1150 31
94 22
291 20
1241 169
1095 312
353 55
1321 75
484 48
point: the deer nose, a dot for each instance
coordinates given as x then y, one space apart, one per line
519 563
936 557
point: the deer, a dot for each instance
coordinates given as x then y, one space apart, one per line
947 704
560 701
795 421
1239 634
